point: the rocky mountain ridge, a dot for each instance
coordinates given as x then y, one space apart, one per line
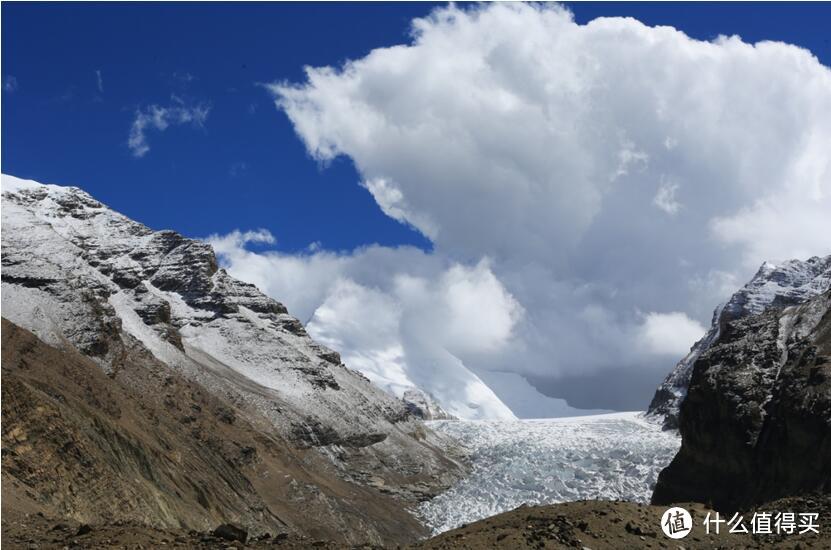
775 285
89 281
756 421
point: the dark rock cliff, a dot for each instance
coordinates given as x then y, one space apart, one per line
756 422
774 286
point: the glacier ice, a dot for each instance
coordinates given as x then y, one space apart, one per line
611 456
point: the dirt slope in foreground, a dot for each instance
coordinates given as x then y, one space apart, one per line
597 525
601 525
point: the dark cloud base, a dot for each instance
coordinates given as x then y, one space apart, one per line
614 389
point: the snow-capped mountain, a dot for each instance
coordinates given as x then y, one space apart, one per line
775 285
83 277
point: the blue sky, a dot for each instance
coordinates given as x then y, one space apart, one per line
245 167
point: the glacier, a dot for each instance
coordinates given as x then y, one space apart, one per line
614 456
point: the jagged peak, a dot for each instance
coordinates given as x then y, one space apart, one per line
74 270
776 284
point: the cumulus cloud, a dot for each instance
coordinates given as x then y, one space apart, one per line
529 117
160 118
670 333
603 170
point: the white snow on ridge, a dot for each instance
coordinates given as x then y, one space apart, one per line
76 272
13 184
545 461
779 284
54 234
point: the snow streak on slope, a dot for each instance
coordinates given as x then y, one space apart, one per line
86 279
76 272
612 456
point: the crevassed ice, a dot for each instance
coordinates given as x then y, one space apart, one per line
613 456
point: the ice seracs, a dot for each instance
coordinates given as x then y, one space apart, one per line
611 456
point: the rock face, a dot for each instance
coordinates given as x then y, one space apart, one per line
94 284
774 286
424 406
756 422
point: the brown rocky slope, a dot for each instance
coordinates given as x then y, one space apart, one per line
595 525
616 525
147 446
156 389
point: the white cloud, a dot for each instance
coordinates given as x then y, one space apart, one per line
628 156
235 240
480 314
779 226
159 118
510 132
526 115
665 198
392 203
670 333
99 81
402 317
